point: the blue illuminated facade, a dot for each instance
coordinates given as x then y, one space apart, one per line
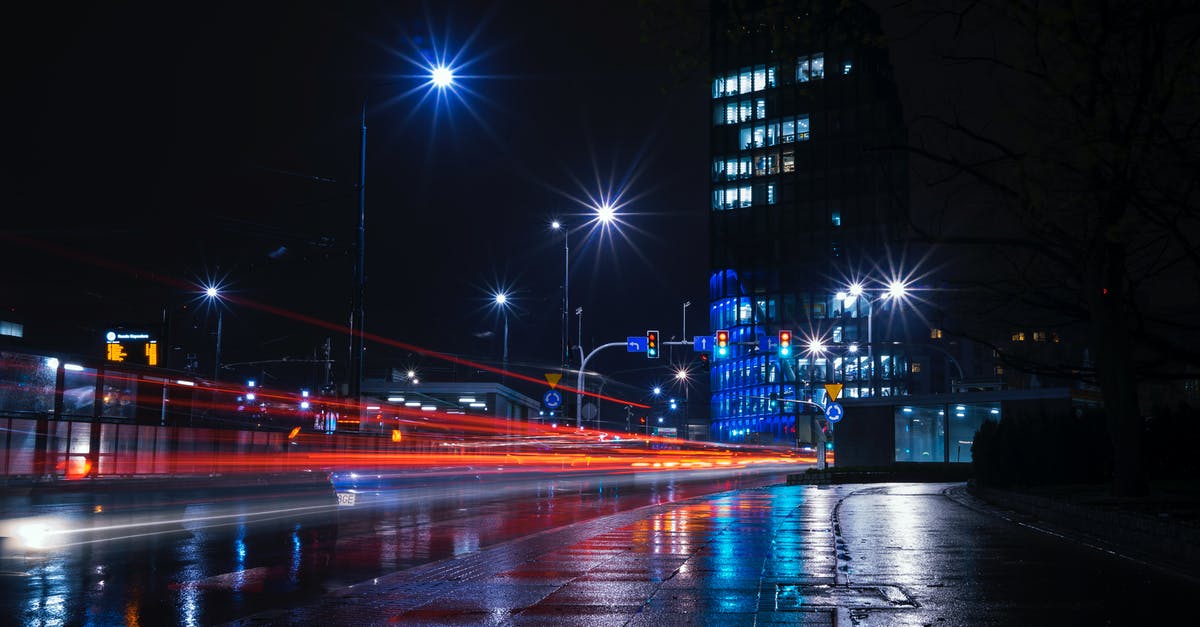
807 197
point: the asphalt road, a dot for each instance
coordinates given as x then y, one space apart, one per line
206 556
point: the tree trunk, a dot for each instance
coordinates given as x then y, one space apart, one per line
1115 368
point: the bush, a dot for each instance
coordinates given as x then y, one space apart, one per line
1029 450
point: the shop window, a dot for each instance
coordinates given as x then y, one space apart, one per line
1018 336
935 334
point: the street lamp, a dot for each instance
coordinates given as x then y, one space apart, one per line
605 215
501 301
214 296
895 289
556 225
441 77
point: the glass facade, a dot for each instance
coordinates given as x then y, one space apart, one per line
802 200
940 433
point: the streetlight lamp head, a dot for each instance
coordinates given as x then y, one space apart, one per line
442 76
853 348
897 289
681 374
211 292
606 213
815 346
657 390
856 289
501 298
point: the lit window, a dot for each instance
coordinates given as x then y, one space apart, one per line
846 67
1039 336
1054 338
760 108
935 334
810 68
771 199
1018 336
801 127
999 370
836 217
789 161
916 367
12 329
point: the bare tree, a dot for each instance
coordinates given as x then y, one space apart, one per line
1067 187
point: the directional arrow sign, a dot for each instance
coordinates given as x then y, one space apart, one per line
834 412
552 399
833 390
703 343
635 344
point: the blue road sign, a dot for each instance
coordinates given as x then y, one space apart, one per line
552 399
834 412
768 344
703 343
635 344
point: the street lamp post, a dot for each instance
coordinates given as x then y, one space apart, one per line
564 353
605 214
501 300
440 77
213 294
896 289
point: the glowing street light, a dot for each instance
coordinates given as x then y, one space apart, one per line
501 300
442 77
214 297
896 289
606 213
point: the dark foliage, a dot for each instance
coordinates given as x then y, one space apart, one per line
1032 450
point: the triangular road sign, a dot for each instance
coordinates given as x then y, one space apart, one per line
833 390
553 378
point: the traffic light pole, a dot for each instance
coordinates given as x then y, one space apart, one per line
579 380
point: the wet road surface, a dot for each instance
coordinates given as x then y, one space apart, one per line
889 554
204 557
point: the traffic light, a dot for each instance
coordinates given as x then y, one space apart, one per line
785 343
652 344
705 362
722 343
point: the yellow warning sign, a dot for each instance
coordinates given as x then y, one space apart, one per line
833 390
552 378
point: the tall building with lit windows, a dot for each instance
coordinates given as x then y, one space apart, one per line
808 189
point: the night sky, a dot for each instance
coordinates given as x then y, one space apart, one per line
150 145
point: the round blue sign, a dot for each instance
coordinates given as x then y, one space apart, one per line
834 412
552 399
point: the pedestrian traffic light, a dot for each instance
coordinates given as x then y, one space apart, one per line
652 344
705 362
722 343
785 343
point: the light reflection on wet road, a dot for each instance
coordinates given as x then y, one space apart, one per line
209 558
